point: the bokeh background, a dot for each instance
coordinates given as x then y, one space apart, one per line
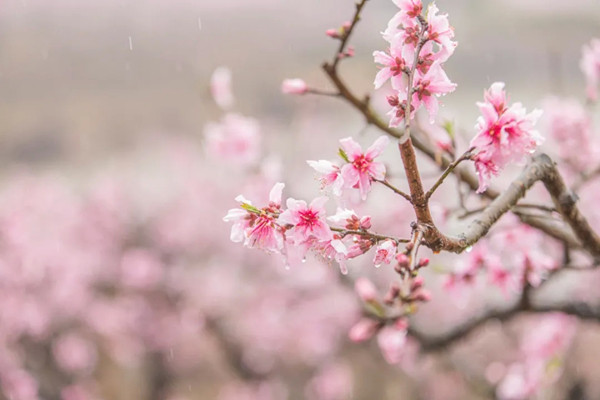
118 280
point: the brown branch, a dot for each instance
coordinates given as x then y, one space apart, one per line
585 178
369 235
430 343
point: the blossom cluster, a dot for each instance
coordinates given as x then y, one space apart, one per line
418 46
505 134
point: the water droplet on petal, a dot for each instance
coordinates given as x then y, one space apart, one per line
468 249
303 260
377 265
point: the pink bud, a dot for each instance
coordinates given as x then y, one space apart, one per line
294 86
423 262
401 324
365 222
363 330
346 25
393 101
350 51
365 289
392 294
422 295
402 260
332 33
416 283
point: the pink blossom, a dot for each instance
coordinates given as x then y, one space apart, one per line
330 175
505 134
384 253
333 249
365 289
392 342
235 139
294 86
220 87
258 228
590 65
307 221
429 86
439 29
362 168
410 8
348 219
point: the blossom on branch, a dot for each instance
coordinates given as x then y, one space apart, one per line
307 221
504 134
361 168
258 227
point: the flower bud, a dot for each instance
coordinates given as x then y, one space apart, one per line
365 222
365 289
363 330
332 33
294 86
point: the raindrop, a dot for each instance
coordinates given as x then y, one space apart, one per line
170 354
287 266
377 265
303 260
130 43
199 24
468 249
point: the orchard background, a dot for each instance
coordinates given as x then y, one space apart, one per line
117 276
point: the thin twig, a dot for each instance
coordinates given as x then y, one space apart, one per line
466 155
347 33
369 235
395 189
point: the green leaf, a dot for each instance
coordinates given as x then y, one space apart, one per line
343 154
250 208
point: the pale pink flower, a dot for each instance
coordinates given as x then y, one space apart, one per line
330 175
439 29
307 221
349 219
409 10
362 168
394 64
590 65
505 134
235 139
294 86
365 289
392 342
333 249
220 87
429 86
258 228
384 253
